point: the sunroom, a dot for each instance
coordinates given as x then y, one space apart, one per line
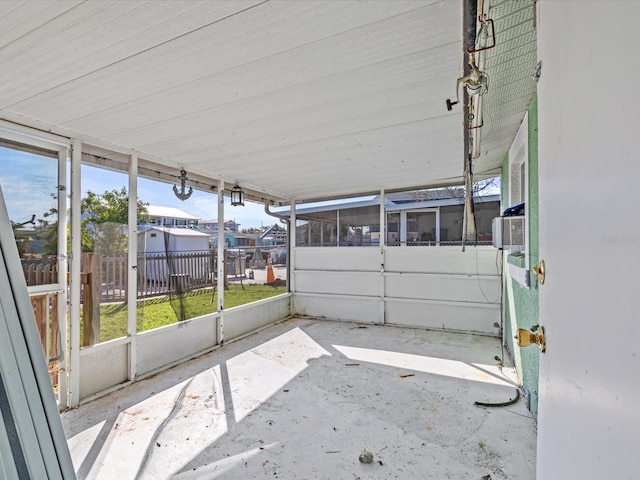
367 363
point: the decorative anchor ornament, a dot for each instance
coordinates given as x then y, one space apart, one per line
182 195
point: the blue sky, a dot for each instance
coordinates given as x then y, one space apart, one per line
200 204
29 185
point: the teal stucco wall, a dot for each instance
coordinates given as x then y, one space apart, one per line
520 304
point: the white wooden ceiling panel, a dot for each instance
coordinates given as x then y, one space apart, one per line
87 47
331 130
378 80
297 122
304 99
20 18
399 35
359 156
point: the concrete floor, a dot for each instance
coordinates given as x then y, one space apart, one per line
303 399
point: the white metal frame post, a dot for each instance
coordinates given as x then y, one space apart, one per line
337 226
383 217
63 265
132 277
73 367
292 248
221 262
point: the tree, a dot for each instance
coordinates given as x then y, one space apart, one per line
480 187
48 231
105 219
261 229
22 238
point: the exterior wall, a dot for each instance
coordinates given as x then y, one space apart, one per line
149 244
520 304
424 287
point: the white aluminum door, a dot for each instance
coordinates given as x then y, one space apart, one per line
589 184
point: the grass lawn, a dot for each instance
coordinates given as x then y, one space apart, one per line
156 312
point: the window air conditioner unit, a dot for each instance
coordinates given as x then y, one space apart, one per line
508 233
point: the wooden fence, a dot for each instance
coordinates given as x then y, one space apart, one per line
40 272
45 310
158 274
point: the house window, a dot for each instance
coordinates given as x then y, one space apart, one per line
518 177
518 166
346 227
393 228
152 235
441 225
422 228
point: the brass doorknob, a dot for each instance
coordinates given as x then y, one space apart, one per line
535 336
539 271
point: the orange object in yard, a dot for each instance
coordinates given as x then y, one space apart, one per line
270 276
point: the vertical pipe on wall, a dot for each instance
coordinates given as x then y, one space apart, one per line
132 277
221 262
74 295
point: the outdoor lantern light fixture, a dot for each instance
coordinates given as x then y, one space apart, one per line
237 196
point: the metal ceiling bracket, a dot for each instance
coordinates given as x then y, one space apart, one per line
537 71
182 194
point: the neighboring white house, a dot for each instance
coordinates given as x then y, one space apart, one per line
170 217
229 225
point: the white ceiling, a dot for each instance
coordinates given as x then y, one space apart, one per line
303 99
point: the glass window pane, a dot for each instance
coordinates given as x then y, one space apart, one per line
451 220
485 212
29 182
356 225
421 228
393 229
105 247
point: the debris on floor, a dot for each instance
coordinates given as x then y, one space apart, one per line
366 457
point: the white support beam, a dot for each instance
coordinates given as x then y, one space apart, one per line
383 222
221 262
75 256
63 265
438 226
132 277
292 247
